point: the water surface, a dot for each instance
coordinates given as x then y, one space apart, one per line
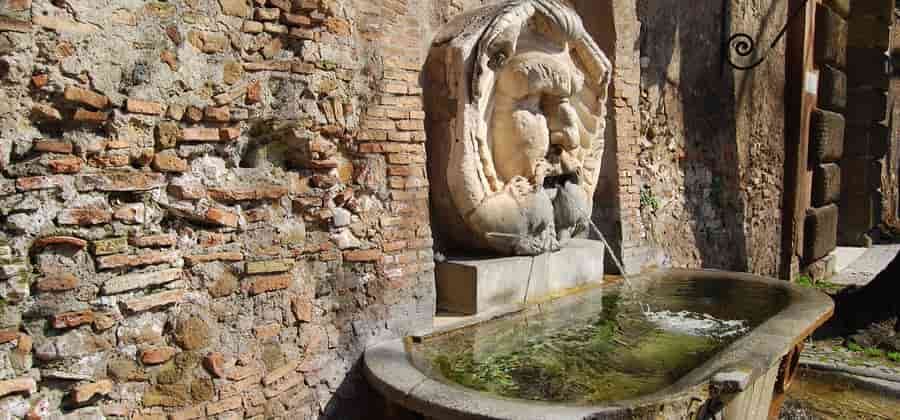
601 347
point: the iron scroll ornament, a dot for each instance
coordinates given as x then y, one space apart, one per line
743 45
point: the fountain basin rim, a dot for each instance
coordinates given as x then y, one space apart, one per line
389 369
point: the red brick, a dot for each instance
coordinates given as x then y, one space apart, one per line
217 256
303 33
157 355
53 146
144 107
302 307
256 285
169 162
65 165
110 160
84 115
45 112
274 65
215 364
72 319
229 133
8 336
394 246
120 181
200 134
57 283
153 241
82 394
39 183
221 217
147 258
86 97
295 20
192 191
338 26
217 114
254 93
130 213
59 240
284 5
303 68
84 216
370 255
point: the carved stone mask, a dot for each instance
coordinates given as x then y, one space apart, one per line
514 163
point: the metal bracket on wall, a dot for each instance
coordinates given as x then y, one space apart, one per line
743 45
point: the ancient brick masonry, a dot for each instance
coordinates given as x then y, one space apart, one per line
209 208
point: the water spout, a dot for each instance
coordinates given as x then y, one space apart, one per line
608 248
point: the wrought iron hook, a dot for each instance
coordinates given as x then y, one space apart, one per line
743 45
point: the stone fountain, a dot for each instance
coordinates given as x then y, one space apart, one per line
515 99
515 96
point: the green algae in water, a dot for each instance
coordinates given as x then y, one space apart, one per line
593 352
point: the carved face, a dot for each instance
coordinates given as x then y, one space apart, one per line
536 129
518 166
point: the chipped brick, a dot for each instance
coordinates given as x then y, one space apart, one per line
221 217
200 134
192 260
72 319
59 240
84 393
215 364
147 258
65 165
138 106
154 301
86 97
158 355
170 162
154 241
256 285
56 283
371 255
53 146
84 216
120 181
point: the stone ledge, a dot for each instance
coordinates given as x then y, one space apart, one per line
471 286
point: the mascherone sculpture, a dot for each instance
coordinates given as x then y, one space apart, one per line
515 94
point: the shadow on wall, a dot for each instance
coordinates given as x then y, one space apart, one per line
699 146
598 18
685 84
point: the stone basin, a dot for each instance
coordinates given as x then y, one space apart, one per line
746 378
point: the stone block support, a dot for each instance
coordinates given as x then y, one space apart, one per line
821 232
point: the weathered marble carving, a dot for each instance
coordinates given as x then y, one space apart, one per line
515 96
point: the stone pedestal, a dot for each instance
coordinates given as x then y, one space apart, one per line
471 286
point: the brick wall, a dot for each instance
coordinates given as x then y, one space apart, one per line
209 207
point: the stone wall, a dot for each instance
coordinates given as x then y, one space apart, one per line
708 180
209 207
826 143
868 132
